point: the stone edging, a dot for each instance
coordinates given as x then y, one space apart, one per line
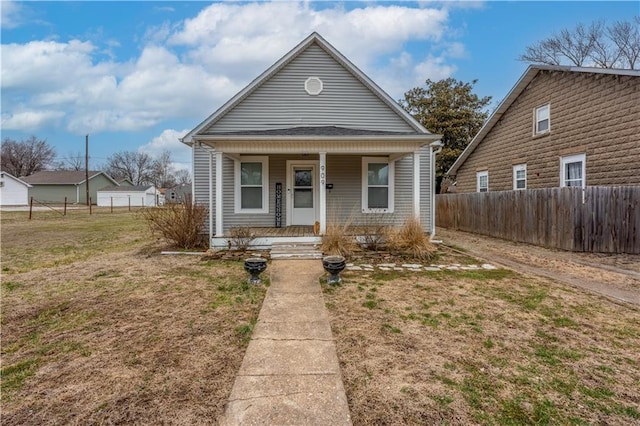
415 267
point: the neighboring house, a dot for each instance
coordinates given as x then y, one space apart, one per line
311 141
129 196
178 194
125 182
13 191
55 185
559 126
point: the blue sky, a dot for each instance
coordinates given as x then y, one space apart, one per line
138 75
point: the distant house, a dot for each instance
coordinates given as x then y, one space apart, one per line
55 185
129 196
559 126
13 191
312 140
125 182
178 194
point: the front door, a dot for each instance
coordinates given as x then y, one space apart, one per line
302 193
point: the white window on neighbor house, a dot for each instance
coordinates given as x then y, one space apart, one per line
520 176
252 185
573 170
482 179
377 185
542 123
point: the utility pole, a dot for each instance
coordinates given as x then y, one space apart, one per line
86 167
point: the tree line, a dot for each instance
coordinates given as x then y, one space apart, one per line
28 156
448 107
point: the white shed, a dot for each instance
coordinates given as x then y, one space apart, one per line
13 191
133 196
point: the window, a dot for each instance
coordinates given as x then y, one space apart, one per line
520 176
483 181
572 170
377 185
542 120
252 182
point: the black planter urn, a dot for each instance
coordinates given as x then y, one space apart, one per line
255 266
334 265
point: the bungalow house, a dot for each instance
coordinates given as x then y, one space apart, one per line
56 185
13 191
311 141
178 194
559 126
129 196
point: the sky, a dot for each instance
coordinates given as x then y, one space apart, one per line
136 76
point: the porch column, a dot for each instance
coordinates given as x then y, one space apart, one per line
323 192
416 184
219 229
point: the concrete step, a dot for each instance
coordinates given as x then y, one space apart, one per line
295 251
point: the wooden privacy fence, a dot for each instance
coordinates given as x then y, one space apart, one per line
597 219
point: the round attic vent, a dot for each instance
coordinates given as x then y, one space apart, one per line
313 86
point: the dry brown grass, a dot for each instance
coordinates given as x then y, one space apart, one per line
483 347
120 335
410 240
337 240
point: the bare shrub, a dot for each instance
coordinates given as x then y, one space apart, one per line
240 237
181 224
337 241
411 240
374 232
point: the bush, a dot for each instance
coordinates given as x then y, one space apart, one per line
241 237
337 241
374 232
181 224
411 240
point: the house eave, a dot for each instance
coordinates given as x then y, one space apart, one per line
424 138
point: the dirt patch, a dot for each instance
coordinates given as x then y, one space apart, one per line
483 347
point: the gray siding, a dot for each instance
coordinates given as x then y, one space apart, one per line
282 102
426 183
201 179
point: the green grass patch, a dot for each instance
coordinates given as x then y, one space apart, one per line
14 376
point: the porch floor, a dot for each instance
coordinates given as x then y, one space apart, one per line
303 231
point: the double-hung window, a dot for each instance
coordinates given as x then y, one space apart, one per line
520 176
573 170
377 185
482 181
252 183
542 121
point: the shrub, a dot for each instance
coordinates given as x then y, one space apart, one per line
374 232
411 240
181 224
240 237
337 241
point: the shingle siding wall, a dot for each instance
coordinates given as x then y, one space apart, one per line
282 102
594 114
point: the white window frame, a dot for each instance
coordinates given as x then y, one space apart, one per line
365 184
483 173
570 159
265 183
537 120
519 168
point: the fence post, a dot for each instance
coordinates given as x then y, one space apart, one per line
129 202
89 206
65 206
30 207
111 204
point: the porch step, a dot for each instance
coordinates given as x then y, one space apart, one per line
295 251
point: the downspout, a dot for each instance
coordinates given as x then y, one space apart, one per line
432 154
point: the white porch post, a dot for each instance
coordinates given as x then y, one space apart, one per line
323 192
219 229
211 221
416 184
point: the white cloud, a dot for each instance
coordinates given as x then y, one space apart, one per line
188 69
10 14
169 141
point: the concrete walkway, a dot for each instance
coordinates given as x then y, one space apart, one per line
290 373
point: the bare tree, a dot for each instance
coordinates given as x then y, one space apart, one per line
613 46
164 171
73 162
138 167
26 157
182 177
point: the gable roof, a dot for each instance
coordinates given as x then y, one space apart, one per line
5 174
63 177
132 188
528 76
313 38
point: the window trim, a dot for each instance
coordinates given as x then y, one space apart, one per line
569 159
516 169
478 176
365 184
264 159
536 120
